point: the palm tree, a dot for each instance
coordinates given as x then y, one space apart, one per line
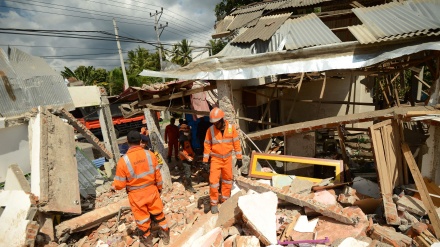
216 45
139 60
182 53
68 73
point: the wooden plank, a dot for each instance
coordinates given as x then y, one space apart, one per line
322 94
177 95
347 176
175 109
333 122
296 97
384 94
256 121
420 80
423 190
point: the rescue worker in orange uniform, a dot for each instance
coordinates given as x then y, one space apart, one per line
186 155
221 139
172 138
138 172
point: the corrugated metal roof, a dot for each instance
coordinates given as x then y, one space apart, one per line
31 83
292 3
264 29
393 19
427 8
249 9
221 26
307 31
245 20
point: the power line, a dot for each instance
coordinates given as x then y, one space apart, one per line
60 47
88 12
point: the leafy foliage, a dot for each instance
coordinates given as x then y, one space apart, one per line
182 53
216 45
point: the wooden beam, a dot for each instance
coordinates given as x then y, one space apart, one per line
296 96
175 109
420 80
347 176
423 190
177 95
255 121
333 122
322 93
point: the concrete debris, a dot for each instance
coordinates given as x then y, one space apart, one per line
247 241
15 179
351 242
304 225
390 236
366 187
260 217
412 205
229 211
299 186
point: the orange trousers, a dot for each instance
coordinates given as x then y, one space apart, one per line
147 206
220 167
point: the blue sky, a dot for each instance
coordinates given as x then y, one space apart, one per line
190 19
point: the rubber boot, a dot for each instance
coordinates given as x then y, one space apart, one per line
165 236
214 209
146 241
188 185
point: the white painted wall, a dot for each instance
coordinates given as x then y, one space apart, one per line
14 149
35 135
85 96
13 219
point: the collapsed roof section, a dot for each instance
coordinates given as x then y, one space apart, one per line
27 82
314 41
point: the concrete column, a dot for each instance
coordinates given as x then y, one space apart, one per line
158 145
108 130
431 159
225 100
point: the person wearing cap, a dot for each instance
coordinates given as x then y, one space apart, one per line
138 172
186 155
220 141
172 138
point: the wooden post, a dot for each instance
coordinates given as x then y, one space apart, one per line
384 93
322 94
347 109
423 190
347 176
158 145
296 96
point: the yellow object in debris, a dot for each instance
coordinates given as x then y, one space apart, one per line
159 159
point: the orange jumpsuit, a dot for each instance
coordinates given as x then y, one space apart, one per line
138 172
187 152
219 147
172 133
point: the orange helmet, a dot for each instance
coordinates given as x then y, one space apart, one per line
216 114
184 127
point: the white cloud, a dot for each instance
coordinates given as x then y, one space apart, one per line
189 19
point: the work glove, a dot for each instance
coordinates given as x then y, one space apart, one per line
206 166
239 163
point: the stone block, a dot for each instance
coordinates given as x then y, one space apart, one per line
229 211
412 205
247 241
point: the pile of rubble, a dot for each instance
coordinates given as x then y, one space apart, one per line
257 214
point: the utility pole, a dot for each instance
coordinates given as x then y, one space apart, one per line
120 55
158 33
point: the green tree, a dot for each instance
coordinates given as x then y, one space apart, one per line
216 45
226 6
115 81
138 60
182 53
68 73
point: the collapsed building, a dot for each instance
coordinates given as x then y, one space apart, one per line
337 152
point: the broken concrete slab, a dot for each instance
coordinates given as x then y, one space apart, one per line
366 187
325 197
15 179
351 242
348 215
213 238
331 228
304 225
14 219
412 205
247 241
390 236
54 177
90 219
205 224
229 211
260 217
299 186
280 180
